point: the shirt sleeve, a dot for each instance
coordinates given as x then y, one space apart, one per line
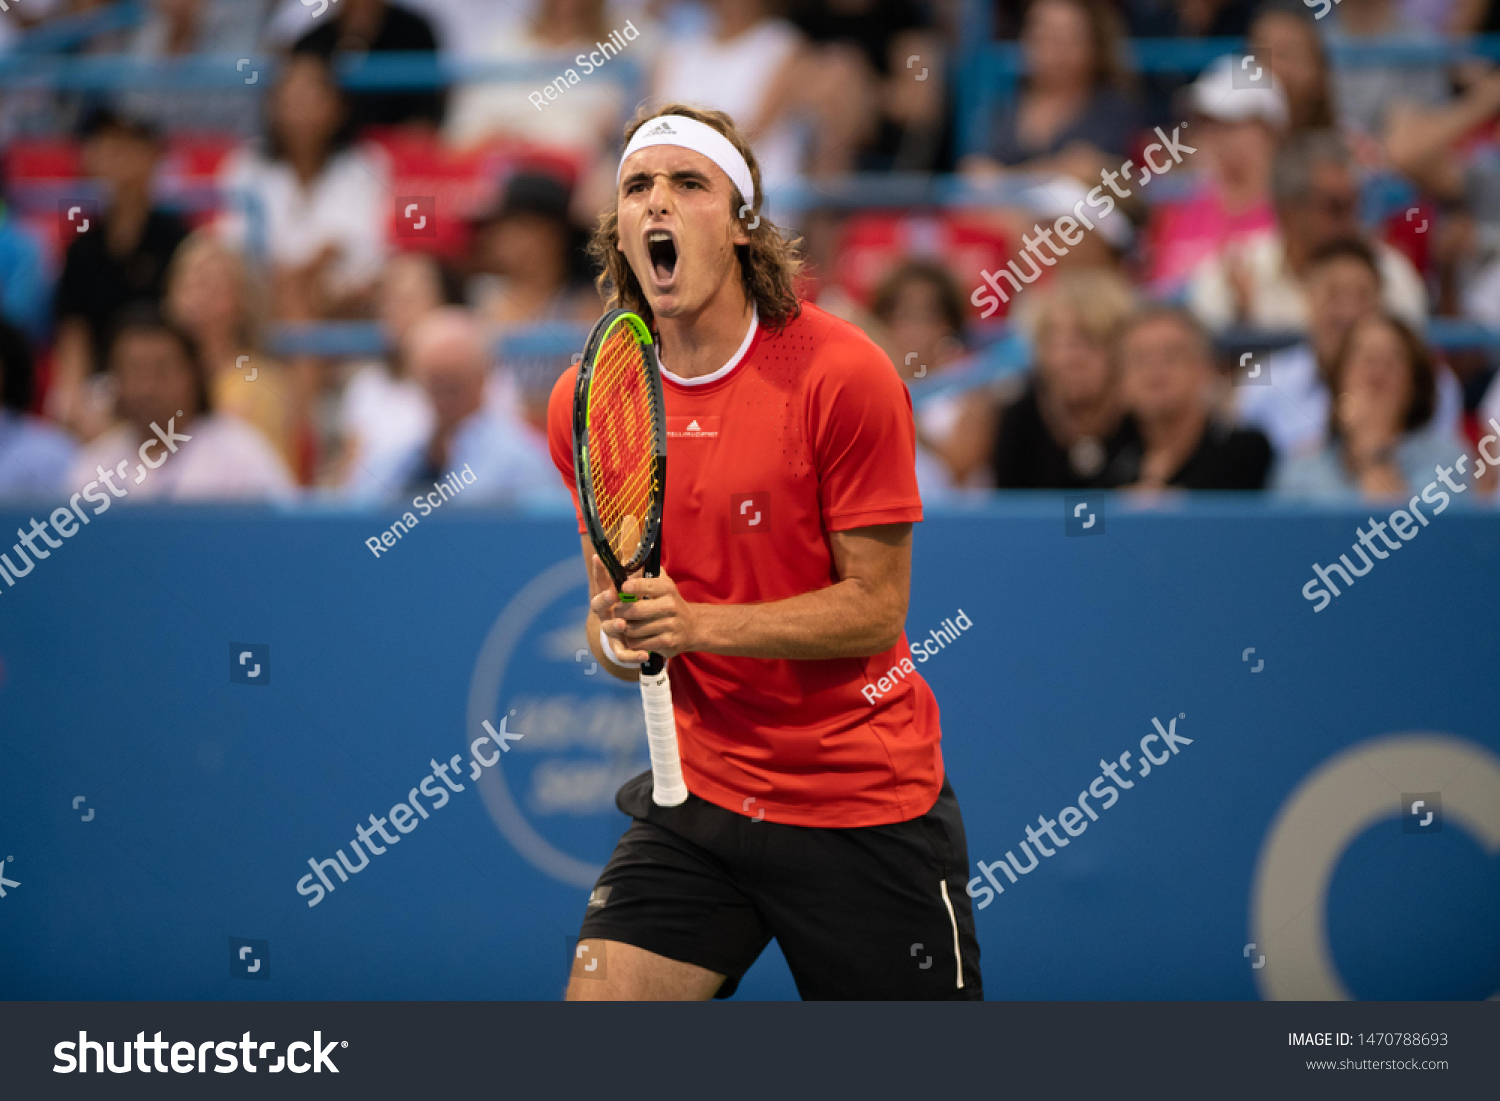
560 436
864 438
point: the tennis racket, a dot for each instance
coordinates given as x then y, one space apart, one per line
620 465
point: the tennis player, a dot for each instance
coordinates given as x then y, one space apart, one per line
819 812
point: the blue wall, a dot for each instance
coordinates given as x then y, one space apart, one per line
209 797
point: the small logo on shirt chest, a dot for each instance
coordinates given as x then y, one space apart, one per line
693 428
749 513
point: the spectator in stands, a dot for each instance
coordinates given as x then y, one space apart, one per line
34 455
1365 93
588 117
1072 114
1287 32
25 274
918 319
1467 17
120 258
1105 246
384 413
762 71
1235 131
162 387
1259 285
1291 404
528 259
528 264
358 27
1180 19
176 29
1454 153
1384 395
323 202
500 459
880 44
1168 383
1067 425
212 295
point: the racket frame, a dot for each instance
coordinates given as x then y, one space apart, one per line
648 551
668 786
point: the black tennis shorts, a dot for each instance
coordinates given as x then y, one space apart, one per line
870 912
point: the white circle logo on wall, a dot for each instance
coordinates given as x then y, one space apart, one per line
1337 802
553 794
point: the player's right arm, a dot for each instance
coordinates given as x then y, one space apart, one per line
602 594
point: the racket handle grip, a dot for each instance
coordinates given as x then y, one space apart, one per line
667 788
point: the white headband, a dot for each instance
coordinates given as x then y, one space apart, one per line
700 138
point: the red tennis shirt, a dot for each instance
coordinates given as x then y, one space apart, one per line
802 433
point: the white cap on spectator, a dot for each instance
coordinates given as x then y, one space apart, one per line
1215 96
1058 195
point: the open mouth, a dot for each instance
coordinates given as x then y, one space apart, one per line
661 249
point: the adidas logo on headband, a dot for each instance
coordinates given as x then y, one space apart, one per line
689 133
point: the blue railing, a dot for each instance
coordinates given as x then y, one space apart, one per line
369 72
366 338
68 32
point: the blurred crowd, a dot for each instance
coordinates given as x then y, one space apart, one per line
1257 320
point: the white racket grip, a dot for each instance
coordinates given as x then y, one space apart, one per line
667 786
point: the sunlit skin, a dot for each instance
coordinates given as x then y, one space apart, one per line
700 308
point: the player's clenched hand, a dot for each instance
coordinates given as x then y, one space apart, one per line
659 621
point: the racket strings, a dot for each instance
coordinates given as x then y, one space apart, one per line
622 441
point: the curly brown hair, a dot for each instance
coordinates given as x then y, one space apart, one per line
769 264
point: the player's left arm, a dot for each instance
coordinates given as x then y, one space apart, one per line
861 614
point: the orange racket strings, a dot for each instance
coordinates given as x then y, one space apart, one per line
622 441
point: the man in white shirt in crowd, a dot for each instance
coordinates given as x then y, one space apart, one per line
499 458
1260 283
